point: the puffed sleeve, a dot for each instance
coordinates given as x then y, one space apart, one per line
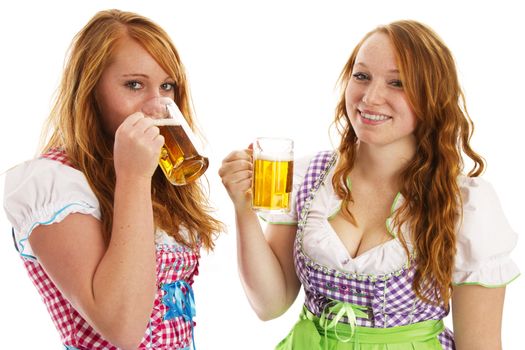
485 238
290 218
43 192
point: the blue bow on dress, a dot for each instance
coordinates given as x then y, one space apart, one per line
180 302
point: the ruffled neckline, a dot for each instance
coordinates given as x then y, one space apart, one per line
320 243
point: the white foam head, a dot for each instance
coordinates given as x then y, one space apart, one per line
273 148
165 122
280 157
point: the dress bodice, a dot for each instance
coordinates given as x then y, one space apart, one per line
45 191
163 332
377 285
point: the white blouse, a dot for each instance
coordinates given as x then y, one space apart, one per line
484 238
44 191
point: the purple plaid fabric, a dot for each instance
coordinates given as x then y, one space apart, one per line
389 298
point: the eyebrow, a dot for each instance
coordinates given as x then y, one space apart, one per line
131 75
365 66
135 75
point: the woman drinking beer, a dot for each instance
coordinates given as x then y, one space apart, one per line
387 230
110 244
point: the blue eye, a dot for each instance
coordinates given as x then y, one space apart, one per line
133 85
360 76
396 83
168 86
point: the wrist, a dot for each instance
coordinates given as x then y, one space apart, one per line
244 208
133 179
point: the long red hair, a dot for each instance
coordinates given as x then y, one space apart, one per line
74 124
429 183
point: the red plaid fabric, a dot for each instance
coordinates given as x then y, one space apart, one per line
57 154
174 263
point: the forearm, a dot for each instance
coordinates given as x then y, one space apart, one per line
261 274
265 261
124 284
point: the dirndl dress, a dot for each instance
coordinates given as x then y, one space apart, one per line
367 302
44 191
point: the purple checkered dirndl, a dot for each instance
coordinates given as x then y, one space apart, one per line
388 299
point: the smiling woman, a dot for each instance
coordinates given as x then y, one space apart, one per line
262 68
378 109
389 228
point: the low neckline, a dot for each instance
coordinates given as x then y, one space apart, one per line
342 246
335 234
380 261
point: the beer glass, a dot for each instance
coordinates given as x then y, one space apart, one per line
272 174
180 159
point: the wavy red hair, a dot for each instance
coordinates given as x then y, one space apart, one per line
429 183
74 124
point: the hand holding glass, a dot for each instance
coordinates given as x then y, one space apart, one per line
180 159
272 174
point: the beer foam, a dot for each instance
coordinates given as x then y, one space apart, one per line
274 156
165 122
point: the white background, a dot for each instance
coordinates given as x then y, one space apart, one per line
260 68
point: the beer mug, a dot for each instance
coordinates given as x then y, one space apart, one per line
180 159
272 174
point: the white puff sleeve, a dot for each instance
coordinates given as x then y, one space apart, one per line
290 218
43 192
485 238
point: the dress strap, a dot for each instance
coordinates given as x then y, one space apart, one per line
318 164
57 154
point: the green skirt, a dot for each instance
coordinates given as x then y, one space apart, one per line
308 334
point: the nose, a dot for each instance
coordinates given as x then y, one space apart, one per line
155 107
374 94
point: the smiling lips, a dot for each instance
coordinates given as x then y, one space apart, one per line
373 118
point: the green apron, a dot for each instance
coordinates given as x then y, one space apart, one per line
315 333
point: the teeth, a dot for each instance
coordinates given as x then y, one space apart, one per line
374 117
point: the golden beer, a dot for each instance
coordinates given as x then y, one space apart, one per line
179 160
272 174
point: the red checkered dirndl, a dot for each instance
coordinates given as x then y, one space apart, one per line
174 263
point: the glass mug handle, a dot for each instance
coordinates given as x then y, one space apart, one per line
180 160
